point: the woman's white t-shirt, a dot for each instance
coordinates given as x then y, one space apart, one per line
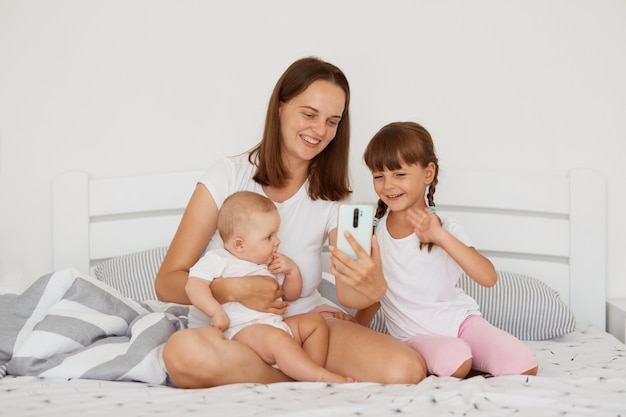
304 223
422 297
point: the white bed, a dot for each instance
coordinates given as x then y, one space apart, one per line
549 227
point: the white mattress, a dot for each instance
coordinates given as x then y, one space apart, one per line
581 374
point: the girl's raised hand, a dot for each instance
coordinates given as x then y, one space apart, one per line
426 224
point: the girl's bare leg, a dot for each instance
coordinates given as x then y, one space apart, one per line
276 346
369 356
203 358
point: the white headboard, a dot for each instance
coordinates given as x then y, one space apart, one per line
552 227
98 218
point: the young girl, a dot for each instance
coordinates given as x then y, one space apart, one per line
422 258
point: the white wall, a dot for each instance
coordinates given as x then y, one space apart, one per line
116 87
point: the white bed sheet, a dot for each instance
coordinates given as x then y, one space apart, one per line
581 374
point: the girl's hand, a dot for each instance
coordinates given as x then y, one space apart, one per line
281 264
360 283
426 225
257 292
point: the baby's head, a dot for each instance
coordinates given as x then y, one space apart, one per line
248 224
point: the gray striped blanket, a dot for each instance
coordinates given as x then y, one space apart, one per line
70 325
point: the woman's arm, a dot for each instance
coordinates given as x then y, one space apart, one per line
199 292
192 237
365 315
359 283
196 228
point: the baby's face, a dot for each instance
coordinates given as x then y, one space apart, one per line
261 237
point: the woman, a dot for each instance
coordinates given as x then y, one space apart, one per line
301 164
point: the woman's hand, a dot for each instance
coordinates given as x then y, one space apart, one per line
360 283
340 315
257 292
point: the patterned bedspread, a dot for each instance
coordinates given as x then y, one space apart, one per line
501 396
581 374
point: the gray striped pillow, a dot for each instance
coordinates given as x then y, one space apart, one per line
521 305
133 274
518 304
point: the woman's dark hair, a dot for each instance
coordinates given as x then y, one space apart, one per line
328 171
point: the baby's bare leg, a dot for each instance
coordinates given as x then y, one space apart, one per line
311 332
275 346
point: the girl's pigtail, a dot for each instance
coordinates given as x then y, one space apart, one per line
432 187
381 209
430 196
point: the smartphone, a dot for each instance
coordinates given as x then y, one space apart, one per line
358 219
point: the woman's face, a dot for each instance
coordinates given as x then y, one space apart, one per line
309 121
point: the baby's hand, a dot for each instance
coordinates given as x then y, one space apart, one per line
220 320
281 264
426 224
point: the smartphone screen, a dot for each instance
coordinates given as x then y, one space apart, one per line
358 219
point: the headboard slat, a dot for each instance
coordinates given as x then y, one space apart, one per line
141 193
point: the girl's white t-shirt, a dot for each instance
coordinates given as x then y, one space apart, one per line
422 297
304 223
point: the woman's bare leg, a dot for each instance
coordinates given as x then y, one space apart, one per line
276 346
203 358
369 356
